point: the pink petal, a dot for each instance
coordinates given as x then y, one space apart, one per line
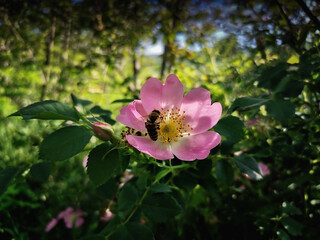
150 94
51 224
200 114
79 222
264 169
153 148
133 115
196 146
154 95
172 93
68 224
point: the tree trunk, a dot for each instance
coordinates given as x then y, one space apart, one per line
47 63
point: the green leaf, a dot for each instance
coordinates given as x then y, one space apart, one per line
281 110
272 75
160 207
47 110
185 180
288 208
103 161
64 143
123 101
160 188
292 226
283 235
41 171
289 87
80 102
92 237
248 165
108 189
133 231
246 102
139 231
231 127
224 172
127 197
142 181
104 114
6 177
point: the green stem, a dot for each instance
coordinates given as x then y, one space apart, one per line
158 177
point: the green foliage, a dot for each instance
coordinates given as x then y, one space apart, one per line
102 163
281 110
64 143
246 103
133 231
230 127
262 64
159 207
41 171
224 172
6 176
249 166
47 110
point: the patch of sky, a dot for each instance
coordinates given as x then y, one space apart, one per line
154 49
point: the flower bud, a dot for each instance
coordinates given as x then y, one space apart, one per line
103 131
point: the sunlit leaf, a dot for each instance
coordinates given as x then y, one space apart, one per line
248 165
48 110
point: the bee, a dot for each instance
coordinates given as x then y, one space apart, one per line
153 124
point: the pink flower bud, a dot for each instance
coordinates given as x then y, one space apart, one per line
103 131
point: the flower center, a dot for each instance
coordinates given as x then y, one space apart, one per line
172 126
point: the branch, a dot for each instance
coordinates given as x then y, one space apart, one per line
313 18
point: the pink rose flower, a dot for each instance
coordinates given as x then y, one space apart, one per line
183 122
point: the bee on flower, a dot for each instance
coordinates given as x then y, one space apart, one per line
170 124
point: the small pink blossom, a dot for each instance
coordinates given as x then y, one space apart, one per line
71 218
85 161
51 224
102 130
107 216
264 169
184 120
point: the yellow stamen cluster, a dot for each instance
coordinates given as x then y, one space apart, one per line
172 125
